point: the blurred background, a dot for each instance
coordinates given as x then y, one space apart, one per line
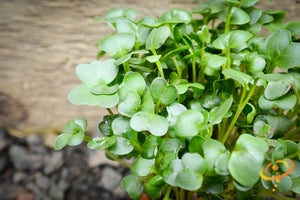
41 43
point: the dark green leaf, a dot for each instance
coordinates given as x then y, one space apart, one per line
163 93
237 17
240 77
277 42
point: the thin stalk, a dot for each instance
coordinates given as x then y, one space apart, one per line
227 23
267 193
293 155
182 194
158 64
240 108
194 69
201 75
228 58
118 159
177 196
87 138
167 195
220 135
157 106
109 111
190 195
177 67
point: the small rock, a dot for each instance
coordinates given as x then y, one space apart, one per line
8 191
110 179
25 196
96 158
36 144
42 182
55 161
3 163
56 193
4 142
22 160
19 177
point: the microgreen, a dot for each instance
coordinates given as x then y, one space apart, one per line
206 104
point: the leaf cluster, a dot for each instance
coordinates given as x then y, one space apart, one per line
199 102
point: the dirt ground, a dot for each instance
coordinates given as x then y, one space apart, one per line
41 42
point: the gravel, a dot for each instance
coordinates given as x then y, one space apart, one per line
29 170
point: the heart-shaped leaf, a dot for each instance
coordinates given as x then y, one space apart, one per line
171 172
117 44
97 72
155 124
189 123
193 162
189 181
157 37
237 16
163 93
246 160
132 81
131 104
232 39
176 15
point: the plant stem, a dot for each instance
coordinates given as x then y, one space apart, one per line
182 194
177 67
194 69
240 108
109 111
87 138
291 133
268 193
190 195
158 64
227 23
118 159
175 189
167 195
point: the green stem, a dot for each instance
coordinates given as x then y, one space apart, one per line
182 194
158 64
87 138
118 159
177 67
157 107
194 69
109 111
240 108
175 189
227 23
267 193
228 58
167 195
201 74
190 195
293 155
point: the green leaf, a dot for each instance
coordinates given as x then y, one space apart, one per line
132 81
62 140
174 110
157 37
102 143
248 3
176 16
154 187
293 27
171 172
151 146
285 103
133 186
218 114
130 105
130 13
120 126
102 89
203 35
147 102
255 63
155 124
182 88
82 95
142 167
76 138
142 31
232 39
189 123
121 147
240 77
289 57
211 7
237 16
214 184
193 162
212 149
195 144
97 72
277 89
163 93
246 160
189 181
123 59
153 59
117 44
124 25
221 165
213 64
276 43
285 184
296 185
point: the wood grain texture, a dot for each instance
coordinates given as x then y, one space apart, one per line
41 43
